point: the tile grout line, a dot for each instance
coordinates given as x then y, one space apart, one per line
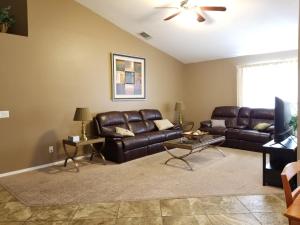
256 218
118 211
74 213
243 203
211 223
250 212
160 210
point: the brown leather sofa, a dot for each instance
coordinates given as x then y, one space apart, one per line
240 122
147 140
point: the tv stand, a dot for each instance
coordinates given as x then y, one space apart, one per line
275 157
287 140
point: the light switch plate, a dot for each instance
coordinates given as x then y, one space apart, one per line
4 114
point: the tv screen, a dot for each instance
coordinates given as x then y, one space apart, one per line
282 119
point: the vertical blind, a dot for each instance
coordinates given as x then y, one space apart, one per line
258 84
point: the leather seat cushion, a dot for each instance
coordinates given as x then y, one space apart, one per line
155 137
254 136
215 130
137 141
172 134
226 111
232 133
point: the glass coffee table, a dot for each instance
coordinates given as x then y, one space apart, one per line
193 146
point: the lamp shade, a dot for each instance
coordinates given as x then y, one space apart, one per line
82 114
179 106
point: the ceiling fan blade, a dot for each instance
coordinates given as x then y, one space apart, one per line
183 3
200 18
166 7
213 8
172 16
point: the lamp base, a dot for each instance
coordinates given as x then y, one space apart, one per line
83 136
180 119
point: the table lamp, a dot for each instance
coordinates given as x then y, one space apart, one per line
179 107
83 115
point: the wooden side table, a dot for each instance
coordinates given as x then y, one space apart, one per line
90 143
279 156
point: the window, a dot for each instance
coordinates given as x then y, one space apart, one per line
258 84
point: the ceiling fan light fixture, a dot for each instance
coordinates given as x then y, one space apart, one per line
191 6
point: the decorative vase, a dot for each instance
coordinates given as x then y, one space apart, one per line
3 27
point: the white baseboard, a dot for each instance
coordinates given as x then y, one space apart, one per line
39 167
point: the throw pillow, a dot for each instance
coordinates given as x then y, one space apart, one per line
218 123
261 126
163 124
124 132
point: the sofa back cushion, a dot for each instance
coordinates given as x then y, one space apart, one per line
261 116
108 121
149 115
135 122
244 116
227 113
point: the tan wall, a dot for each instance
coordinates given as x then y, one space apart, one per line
213 83
65 63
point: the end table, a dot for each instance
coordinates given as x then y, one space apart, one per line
90 143
279 156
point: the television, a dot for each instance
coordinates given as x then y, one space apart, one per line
282 129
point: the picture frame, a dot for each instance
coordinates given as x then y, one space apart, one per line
128 77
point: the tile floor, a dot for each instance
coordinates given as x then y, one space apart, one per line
215 210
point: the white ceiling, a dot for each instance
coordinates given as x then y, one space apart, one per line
247 27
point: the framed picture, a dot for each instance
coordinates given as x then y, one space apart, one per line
128 77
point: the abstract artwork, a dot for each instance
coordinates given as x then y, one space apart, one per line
128 77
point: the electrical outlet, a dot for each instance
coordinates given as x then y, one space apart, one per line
51 149
4 114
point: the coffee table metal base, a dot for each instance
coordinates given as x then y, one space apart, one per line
190 152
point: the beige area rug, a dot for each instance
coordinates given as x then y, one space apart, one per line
239 173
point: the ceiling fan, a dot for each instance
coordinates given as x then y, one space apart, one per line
186 5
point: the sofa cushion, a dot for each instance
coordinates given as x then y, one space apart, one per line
172 134
261 116
149 115
150 125
156 137
163 124
232 133
262 126
254 136
244 116
108 121
135 122
218 123
137 141
227 113
124 132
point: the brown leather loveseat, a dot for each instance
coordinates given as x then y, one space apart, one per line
239 126
147 140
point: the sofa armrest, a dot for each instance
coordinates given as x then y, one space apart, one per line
176 127
205 124
270 129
